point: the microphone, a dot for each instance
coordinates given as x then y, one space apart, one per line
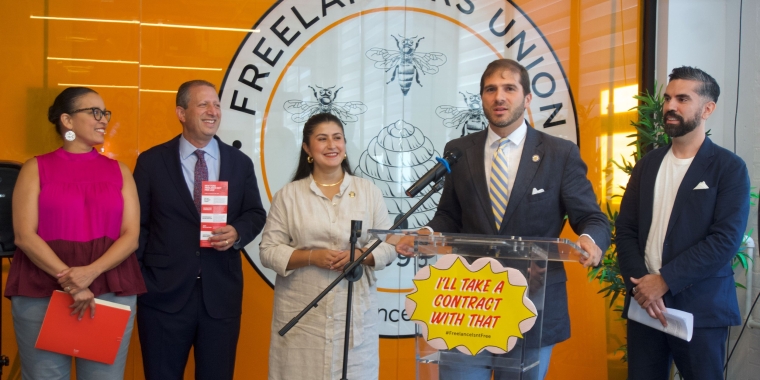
356 230
237 144
441 168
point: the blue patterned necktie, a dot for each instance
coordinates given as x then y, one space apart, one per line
201 174
498 186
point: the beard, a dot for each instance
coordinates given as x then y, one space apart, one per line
683 127
517 112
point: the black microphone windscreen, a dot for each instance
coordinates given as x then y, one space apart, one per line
237 144
450 157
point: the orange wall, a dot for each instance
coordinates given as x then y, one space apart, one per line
596 41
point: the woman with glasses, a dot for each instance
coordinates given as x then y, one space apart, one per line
76 220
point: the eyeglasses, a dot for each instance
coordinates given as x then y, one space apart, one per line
97 113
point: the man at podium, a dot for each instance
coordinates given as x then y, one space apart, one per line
513 180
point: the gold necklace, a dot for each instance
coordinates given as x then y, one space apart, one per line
328 184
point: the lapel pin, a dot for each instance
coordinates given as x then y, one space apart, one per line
352 194
536 158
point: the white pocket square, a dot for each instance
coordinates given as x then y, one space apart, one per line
537 191
701 186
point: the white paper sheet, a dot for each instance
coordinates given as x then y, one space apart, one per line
680 323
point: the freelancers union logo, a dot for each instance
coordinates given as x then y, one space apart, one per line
396 74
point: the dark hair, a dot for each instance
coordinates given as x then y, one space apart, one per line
500 65
65 102
304 168
183 94
709 87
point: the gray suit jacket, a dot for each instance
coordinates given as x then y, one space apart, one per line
465 207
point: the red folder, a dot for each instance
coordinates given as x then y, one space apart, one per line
95 339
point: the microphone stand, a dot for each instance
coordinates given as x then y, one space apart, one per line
356 231
349 273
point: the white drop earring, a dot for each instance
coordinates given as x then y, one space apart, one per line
69 135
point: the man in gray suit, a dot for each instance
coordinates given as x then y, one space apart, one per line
515 181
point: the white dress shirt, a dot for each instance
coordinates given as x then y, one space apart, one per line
187 158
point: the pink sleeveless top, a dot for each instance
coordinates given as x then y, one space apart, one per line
80 214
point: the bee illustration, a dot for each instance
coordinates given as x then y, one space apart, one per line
470 118
406 62
345 111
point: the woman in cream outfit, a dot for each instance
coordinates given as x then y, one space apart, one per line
305 241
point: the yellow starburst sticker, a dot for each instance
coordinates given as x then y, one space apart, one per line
471 307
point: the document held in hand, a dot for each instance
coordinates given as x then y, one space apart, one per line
213 208
680 323
95 339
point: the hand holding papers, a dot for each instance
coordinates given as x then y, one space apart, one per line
213 208
96 339
680 323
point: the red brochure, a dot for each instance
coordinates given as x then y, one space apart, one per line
213 208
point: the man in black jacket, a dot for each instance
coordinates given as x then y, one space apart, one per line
194 294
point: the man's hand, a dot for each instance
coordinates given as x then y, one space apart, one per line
595 253
657 310
405 246
223 238
649 289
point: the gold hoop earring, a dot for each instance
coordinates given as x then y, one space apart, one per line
309 159
345 156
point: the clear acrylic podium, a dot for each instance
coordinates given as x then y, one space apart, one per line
528 255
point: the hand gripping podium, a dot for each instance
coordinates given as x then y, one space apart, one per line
529 256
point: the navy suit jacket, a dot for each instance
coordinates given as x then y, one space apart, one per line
704 233
465 207
170 255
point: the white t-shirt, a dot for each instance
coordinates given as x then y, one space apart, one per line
669 177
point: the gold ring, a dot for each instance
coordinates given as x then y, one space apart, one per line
225 242
67 288
635 290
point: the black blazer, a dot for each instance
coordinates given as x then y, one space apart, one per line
169 253
704 233
465 207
